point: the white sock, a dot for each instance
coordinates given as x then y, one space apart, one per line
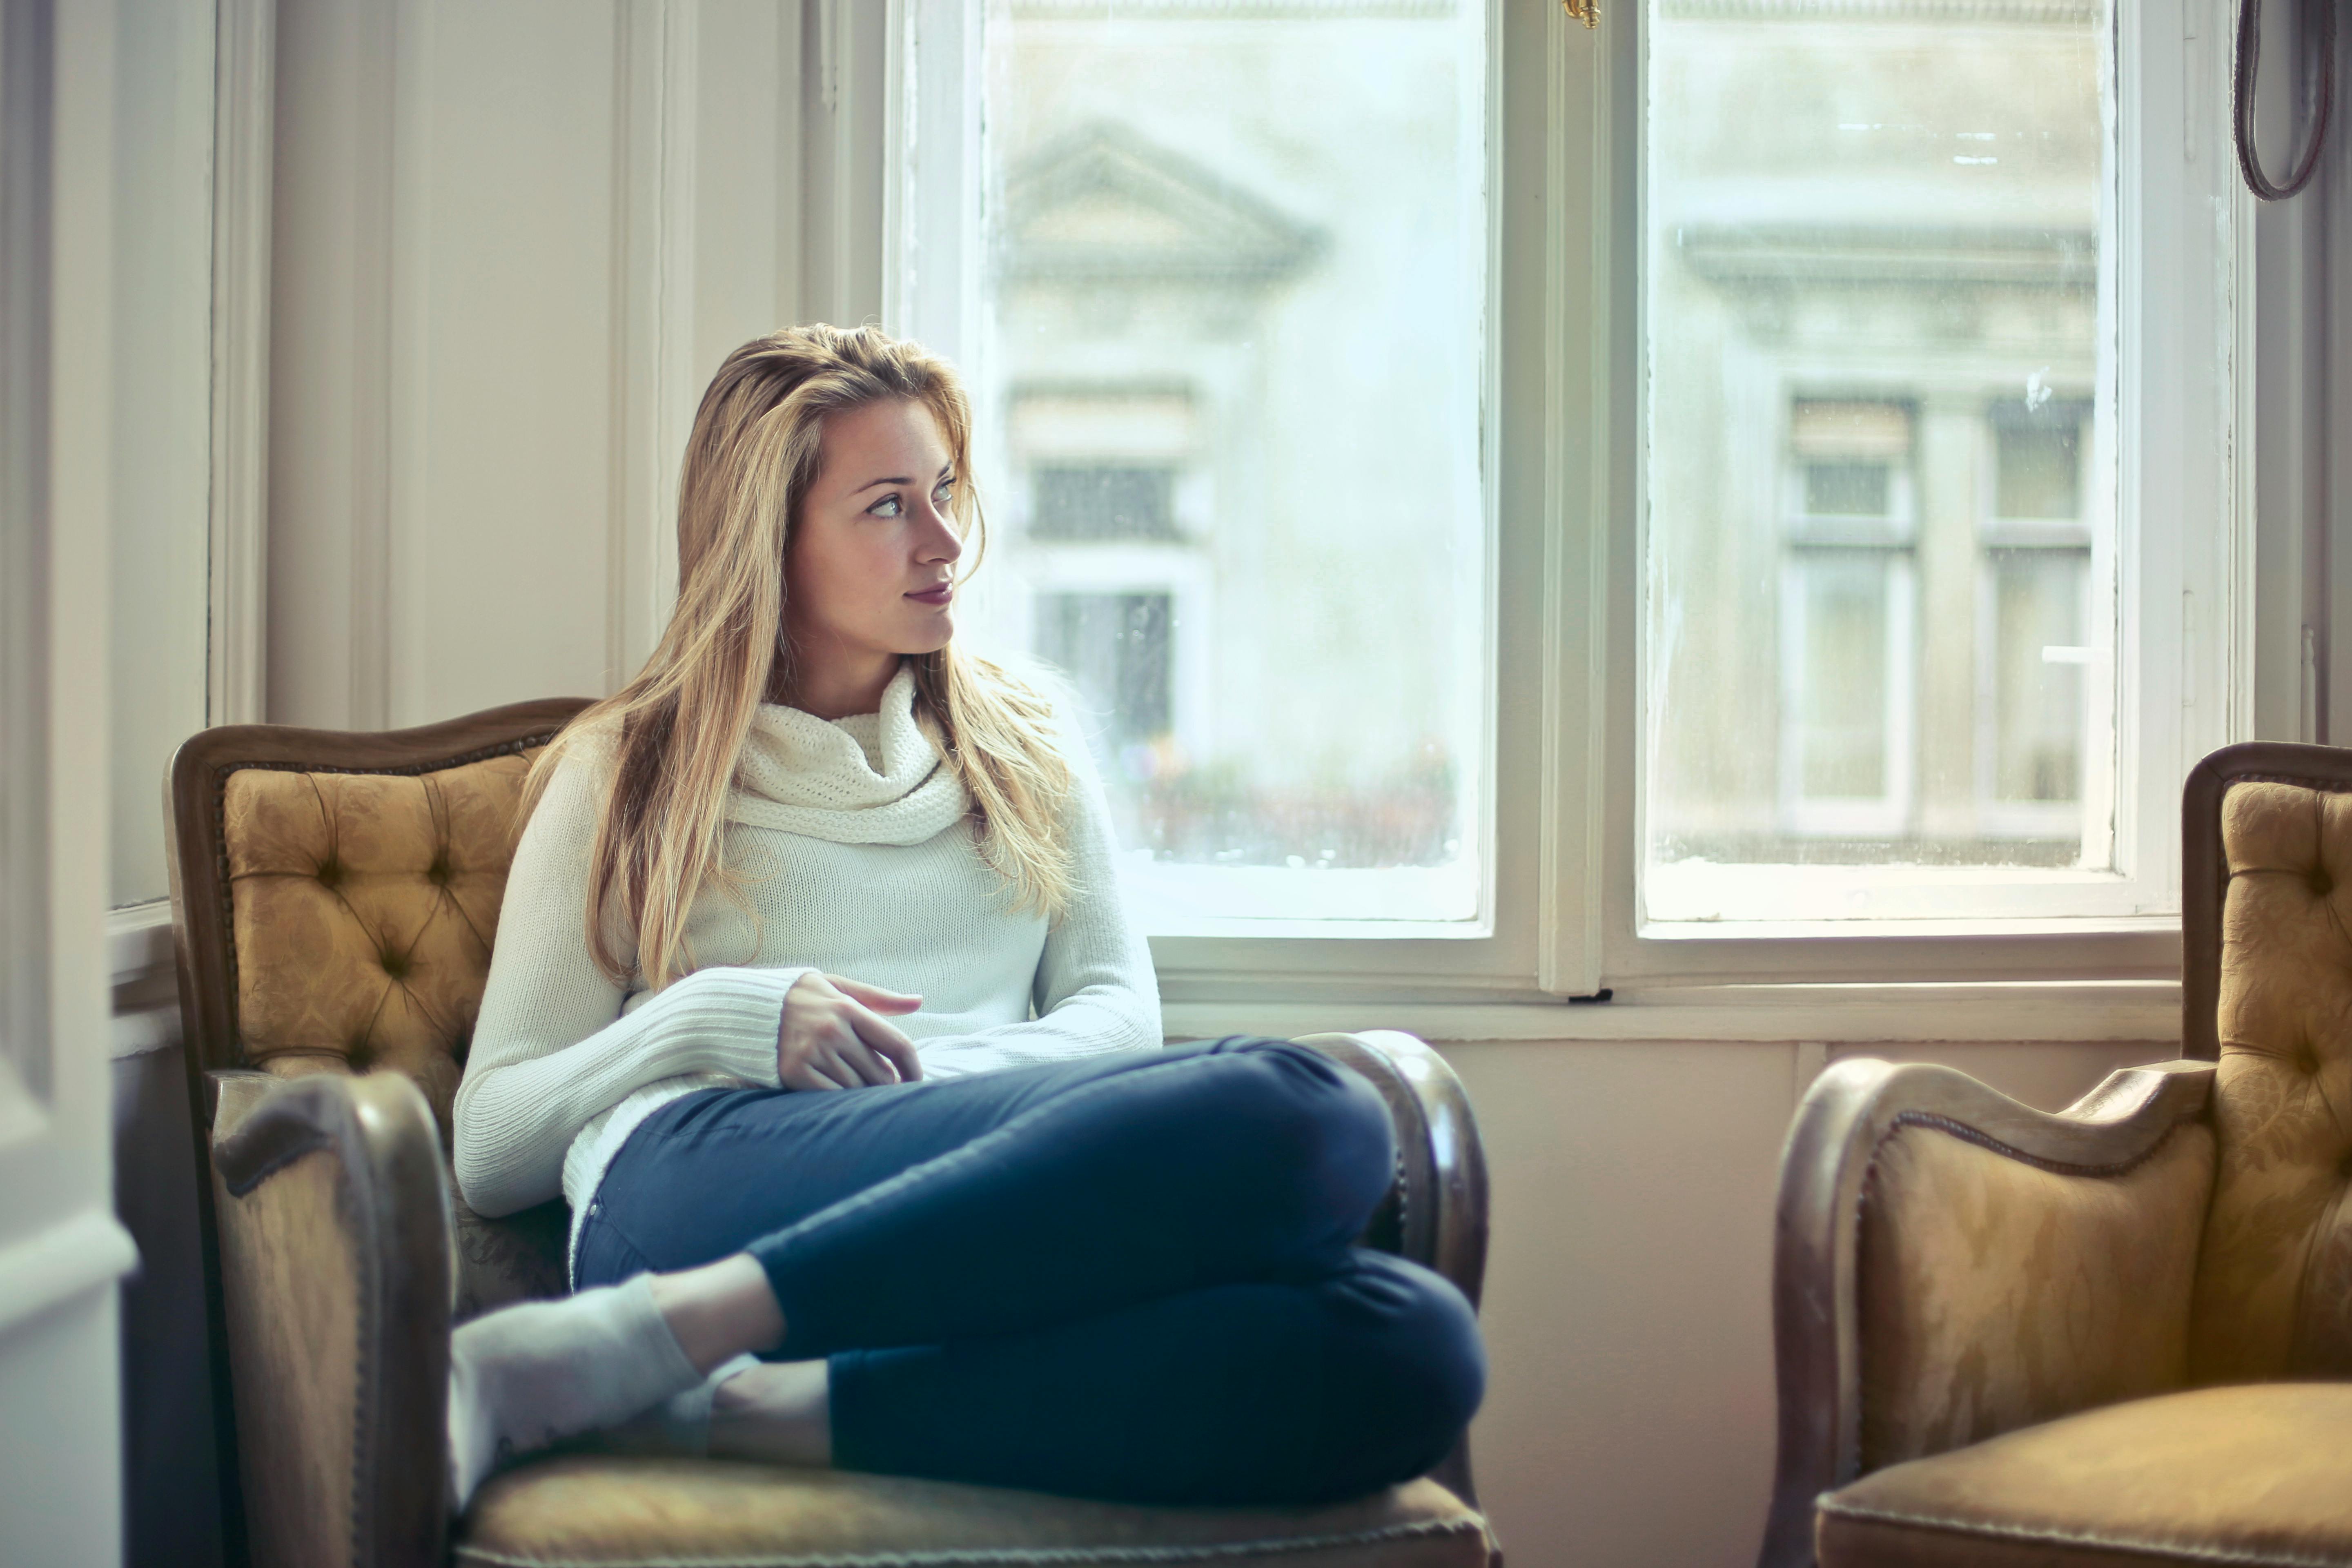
679 1425
527 1376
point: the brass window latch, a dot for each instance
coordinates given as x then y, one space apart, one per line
1585 11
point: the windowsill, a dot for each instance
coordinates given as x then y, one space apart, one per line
1885 930
146 1014
2024 1010
139 939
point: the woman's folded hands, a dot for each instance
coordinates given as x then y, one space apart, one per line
834 1035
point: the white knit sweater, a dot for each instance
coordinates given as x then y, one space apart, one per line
852 857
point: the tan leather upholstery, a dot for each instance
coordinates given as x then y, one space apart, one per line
2274 1286
365 906
2258 1475
1994 1293
597 1512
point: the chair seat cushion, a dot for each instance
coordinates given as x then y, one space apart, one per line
606 1512
2260 1474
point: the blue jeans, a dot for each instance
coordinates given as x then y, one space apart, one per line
1128 1277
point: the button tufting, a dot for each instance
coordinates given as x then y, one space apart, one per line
395 963
2320 883
331 872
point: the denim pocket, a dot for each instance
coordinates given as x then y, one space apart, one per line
606 1256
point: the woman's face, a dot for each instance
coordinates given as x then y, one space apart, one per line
869 569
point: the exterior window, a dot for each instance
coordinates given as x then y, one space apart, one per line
1242 504
2035 728
1875 445
1115 648
1846 620
1104 503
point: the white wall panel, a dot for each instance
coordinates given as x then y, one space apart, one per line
501 355
513 238
326 361
163 302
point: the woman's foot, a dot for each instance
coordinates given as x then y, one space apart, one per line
777 1412
531 1375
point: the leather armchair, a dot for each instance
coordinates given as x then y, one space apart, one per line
2105 1335
334 900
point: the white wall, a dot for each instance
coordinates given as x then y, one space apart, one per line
163 372
60 1250
513 238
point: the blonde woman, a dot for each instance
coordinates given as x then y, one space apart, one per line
814 996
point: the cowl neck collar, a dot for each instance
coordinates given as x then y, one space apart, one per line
804 774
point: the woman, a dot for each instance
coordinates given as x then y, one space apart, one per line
814 996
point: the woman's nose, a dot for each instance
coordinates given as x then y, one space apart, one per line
940 541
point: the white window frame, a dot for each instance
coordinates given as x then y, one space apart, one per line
2186 638
928 293
1565 106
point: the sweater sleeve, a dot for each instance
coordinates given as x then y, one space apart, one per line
1095 992
554 1047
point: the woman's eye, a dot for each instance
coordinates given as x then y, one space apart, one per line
887 507
944 494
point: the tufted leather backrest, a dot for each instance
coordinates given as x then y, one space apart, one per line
363 909
2274 1295
334 898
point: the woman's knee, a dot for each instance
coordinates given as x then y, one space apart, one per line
1412 1356
1314 1118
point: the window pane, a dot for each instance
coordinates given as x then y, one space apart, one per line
2038 660
1873 243
1115 649
1104 503
1847 490
2037 462
1227 386
1837 698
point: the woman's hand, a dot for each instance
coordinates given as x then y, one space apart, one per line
834 1036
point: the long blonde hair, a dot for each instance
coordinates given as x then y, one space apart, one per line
672 736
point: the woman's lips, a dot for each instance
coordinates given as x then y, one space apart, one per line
938 595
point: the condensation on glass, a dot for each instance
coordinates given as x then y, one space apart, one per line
1879 540
1227 382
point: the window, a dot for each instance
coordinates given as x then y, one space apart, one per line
1115 648
1226 340
1104 501
1761 537
1917 532
1846 617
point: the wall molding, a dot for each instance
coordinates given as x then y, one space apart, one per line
386 32
654 389
848 102
244 170
1825 1015
52 1267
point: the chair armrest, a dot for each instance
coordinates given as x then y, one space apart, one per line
1950 1265
332 1220
1435 1215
